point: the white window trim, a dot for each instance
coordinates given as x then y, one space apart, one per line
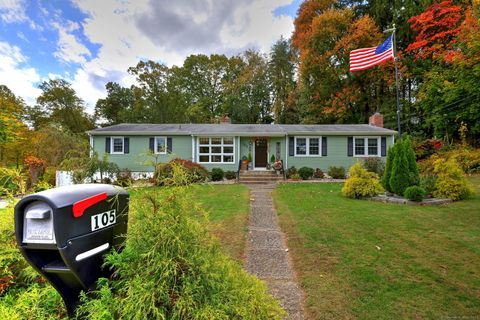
308 146
155 144
366 155
216 154
123 145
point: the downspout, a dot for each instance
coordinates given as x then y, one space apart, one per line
286 151
193 149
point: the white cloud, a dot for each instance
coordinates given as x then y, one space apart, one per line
69 49
168 32
12 11
21 79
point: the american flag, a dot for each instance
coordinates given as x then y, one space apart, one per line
361 59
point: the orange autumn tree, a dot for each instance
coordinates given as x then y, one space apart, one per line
447 50
328 91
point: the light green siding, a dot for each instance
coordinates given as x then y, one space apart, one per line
137 159
336 155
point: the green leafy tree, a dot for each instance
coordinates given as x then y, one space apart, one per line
118 106
281 71
154 101
205 80
250 95
59 103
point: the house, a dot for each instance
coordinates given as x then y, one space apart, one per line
224 145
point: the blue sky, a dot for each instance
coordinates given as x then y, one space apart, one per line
91 42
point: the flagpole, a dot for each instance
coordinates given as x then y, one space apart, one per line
396 80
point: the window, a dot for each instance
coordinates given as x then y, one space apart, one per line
366 147
307 146
216 150
117 145
160 145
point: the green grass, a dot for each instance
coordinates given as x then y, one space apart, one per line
359 259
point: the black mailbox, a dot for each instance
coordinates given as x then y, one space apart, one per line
64 232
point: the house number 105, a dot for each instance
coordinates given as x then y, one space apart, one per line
103 220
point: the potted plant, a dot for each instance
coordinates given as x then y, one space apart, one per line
244 163
250 164
277 166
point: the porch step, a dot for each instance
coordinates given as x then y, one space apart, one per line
259 177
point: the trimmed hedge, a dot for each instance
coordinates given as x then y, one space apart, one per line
306 173
217 174
414 193
336 172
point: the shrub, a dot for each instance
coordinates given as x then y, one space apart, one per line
230 175
388 168
361 183
291 171
295 176
12 182
468 159
124 178
375 165
318 174
193 172
427 182
400 176
49 175
425 149
414 193
336 172
41 186
171 268
451 182
217 174
412 162
305 173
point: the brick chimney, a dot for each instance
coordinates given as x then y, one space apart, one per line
225 120
376 120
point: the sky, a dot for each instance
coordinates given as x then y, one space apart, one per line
92 42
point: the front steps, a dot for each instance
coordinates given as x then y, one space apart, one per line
259 177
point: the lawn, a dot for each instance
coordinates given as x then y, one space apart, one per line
358 259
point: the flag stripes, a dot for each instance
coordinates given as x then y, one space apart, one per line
361 59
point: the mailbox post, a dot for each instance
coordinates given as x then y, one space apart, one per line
64 233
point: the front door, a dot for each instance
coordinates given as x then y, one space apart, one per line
260 153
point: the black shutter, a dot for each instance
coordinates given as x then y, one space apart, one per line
291 146
324 146
152 145
126 145
383 152
169 145
107 145
350 147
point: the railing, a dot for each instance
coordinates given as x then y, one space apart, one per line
238 170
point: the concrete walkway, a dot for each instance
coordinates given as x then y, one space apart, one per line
267 253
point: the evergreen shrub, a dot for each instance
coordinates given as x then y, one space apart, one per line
415 193
217 174
388 168
306 173
193 171
230 175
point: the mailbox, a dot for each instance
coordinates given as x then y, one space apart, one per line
64 233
